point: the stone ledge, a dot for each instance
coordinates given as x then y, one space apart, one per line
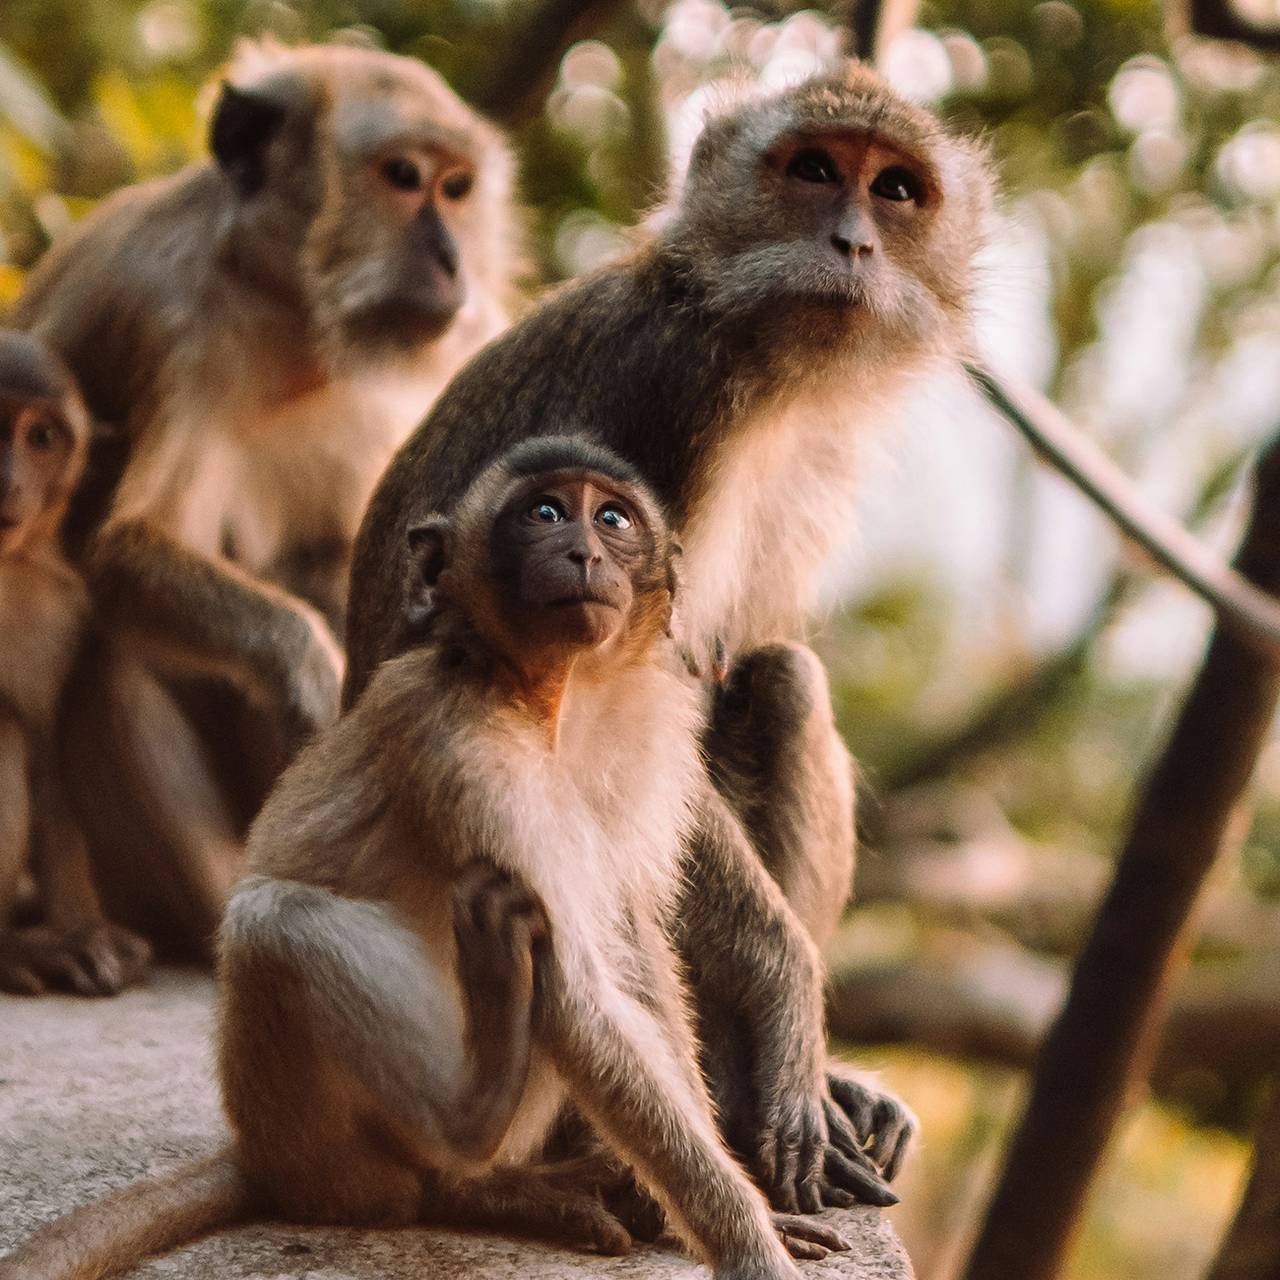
94 1094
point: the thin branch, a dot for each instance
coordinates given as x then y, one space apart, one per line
1239 604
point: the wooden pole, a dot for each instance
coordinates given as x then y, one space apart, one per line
1099 1045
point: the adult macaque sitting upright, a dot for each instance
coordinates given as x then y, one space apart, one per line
264 328
818 257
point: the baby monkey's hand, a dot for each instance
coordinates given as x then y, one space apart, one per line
497 922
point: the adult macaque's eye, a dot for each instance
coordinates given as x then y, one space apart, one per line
897 183
813 165
457 185
614 517
546 511
403 174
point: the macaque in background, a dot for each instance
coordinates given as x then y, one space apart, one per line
44 614
263 329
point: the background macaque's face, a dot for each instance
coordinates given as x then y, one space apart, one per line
571 556
412 185
37 446
414 280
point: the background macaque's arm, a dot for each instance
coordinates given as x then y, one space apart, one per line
72 946
211 618
15 811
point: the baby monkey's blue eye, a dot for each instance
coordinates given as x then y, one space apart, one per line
614 517
546 511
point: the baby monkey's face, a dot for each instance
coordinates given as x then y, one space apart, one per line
573 556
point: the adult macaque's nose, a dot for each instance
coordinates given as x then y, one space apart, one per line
854 237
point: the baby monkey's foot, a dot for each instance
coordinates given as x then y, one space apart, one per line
807 1238
497 922
524 1201
98 959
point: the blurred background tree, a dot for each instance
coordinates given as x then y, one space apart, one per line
1002 670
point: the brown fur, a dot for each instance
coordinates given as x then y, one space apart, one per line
738 361
44 613
262 329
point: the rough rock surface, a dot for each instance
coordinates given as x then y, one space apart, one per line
94 1094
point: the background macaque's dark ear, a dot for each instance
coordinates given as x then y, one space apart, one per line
244 122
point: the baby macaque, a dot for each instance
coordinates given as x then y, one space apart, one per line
456 913
44 609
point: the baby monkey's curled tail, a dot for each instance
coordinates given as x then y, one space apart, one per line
147 1217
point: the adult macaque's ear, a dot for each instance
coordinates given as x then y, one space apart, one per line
244 122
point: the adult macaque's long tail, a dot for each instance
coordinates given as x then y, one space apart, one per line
151 1216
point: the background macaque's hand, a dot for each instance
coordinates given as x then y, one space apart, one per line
99 959
879 1126
313 684
790 1143
497 922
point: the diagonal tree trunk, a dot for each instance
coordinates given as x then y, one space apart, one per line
1101 1042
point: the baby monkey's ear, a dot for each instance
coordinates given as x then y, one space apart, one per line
426 561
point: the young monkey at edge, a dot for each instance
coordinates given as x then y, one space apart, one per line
44 610
456 914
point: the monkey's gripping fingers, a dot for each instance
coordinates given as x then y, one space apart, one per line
873 1124
497 923
807 1239
98 960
